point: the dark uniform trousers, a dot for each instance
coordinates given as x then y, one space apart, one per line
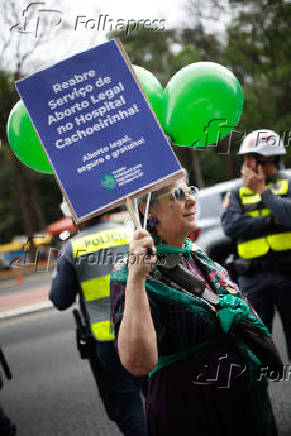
268 291
119 390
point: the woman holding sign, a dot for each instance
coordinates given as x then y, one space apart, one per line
203 380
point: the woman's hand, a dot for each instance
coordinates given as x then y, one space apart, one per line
137 339
140 263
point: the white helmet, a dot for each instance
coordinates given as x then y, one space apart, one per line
265 142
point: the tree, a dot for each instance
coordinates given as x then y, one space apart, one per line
258 51
23 192
19 183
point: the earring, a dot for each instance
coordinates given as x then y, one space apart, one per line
153 221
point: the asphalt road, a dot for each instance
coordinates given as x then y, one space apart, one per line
53 393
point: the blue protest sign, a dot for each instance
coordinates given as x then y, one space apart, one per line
101 136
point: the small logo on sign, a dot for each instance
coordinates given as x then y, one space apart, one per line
108 182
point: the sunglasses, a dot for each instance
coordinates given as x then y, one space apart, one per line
179 194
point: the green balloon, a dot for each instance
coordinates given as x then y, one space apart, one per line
152 88
203 103
24 141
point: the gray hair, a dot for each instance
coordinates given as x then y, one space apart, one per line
154 196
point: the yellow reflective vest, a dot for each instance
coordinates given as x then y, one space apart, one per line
277 239
95 251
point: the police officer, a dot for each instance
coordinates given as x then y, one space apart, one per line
83 271
258 216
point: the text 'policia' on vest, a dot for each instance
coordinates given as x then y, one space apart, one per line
94 255
277 238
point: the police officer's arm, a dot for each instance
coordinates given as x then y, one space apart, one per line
236 224
64 287
280 206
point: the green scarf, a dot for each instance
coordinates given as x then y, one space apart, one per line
233 308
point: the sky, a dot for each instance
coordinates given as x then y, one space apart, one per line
80 19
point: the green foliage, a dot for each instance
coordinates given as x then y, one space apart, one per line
166 52
213 167
49 198
7 99
258 52
11 222
47 193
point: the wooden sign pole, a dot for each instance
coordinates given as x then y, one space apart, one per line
133 213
